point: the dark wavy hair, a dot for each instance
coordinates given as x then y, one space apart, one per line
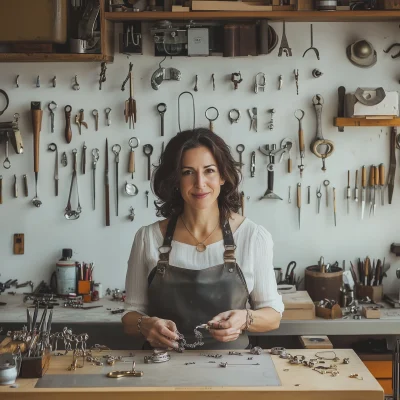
167 175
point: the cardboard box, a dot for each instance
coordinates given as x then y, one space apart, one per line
298 306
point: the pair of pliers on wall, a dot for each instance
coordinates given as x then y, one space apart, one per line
289 276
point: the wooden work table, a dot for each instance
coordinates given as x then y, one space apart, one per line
297 381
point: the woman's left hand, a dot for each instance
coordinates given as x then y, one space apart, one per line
227 326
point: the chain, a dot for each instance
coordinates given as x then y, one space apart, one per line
183 344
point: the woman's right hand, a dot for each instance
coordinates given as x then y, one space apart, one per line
160 332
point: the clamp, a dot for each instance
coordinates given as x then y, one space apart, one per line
236 78
234 115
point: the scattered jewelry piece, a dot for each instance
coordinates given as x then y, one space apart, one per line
346 360
356 376
257 350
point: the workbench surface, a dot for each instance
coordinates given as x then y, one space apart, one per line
297 381
389 324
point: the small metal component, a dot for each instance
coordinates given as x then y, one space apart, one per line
236 78
346 360
284 47
253 164
190 363
234 353
308 194
316 73
196 89
108 118
64 159
213 81
52 106
147 198
38 81
53 147
312 44
326 184
76 86
7 162
253 118
162 108
95 114
277 350
148 151
25 180
240 149
356 376
210 119
289 198
234 115
17 81
259 82
296 77
256 350
83 158
271 122
280 82
131 213
54 80
319 195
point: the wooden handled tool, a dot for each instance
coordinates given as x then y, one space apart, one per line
37 115
382 182
68 131
299 202
392 163
367 270
371 185
131 167
363 189
107 188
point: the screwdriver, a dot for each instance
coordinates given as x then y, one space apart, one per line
382 182
371 185
363 189
376 185
356 188
348 195
299 202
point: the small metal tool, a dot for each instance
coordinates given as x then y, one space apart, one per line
103 77
271 121
116 150
52 106
54 80
289 198
308 194
25 181
341 105
253 118
131 215
134 142
259 82
236 78
131 189
76 86
38 81
326 184
299 202
162 108
312 44
284 47
79 120
148 151
392 163
371 186
382 183
299 114
316 73
108 118
64 159
95 159
280 82
296 78
147 198
211 119
83 158
363 189
15 186
107 186
17 81
234 116
348 192
319 195
196 89
334 204
356 188
270 152
253 164
1 189
95 114
287 145
240 149
7 162
213 81
53 147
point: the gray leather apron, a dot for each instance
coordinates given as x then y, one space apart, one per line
193 297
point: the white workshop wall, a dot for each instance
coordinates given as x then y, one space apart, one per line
47 231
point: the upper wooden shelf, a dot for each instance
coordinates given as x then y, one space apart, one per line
294 16
53 57
366 122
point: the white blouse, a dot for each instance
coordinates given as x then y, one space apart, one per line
253 255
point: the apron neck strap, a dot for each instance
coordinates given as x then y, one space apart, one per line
166 247
230 247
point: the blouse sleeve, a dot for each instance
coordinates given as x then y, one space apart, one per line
265 292
136 276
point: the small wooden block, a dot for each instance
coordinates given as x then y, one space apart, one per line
371 312
316 342
19 243
329 313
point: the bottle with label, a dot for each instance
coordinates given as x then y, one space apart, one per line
66 273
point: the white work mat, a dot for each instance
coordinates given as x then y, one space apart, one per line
175 373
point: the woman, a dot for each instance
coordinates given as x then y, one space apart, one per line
204 263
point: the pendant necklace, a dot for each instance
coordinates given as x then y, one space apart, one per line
200 246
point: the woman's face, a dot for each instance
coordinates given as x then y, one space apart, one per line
201 182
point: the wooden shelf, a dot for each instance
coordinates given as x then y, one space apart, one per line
289 16
366 122
53 57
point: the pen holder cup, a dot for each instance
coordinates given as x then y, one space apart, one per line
375 293
84 287
35 367
323 285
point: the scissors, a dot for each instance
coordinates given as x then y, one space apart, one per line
253 118
289 276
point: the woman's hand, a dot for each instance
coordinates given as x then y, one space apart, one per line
160 332
227 326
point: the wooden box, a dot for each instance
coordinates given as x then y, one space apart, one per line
35 367
375 293
391 4
298 306
305 5
316 342
323 285
371 312
329 313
